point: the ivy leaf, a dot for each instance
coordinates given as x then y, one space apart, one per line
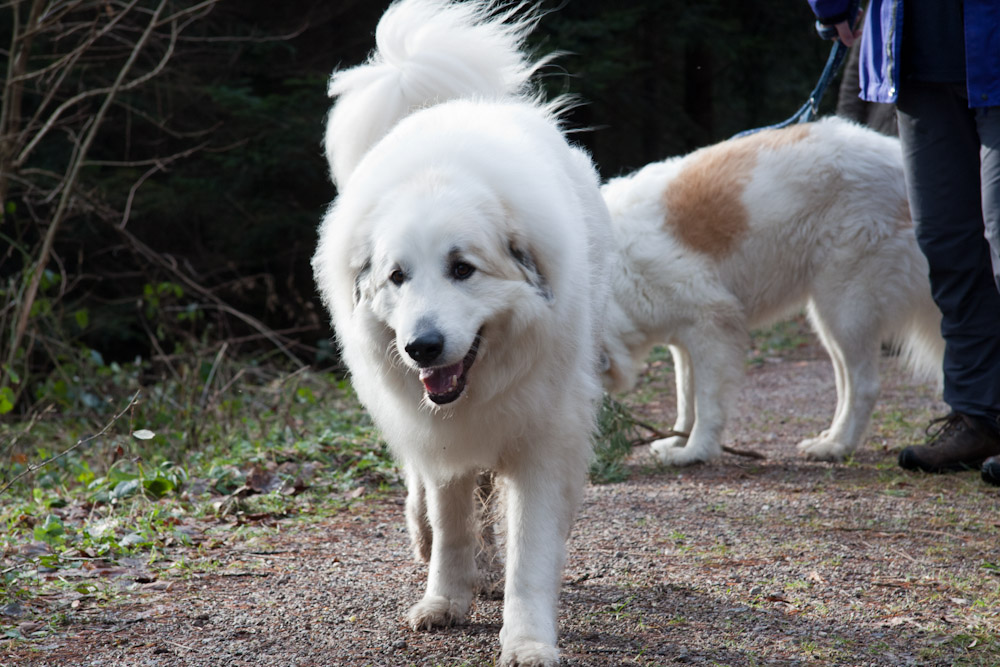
6 400
51 530
158 486
125 488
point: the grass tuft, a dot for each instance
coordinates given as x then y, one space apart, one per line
617 432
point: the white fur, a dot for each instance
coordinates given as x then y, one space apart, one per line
828 229
442 156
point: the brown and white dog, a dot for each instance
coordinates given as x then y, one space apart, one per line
732 236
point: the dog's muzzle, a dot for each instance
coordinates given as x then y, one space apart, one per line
443 384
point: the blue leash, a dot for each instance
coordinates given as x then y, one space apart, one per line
808 111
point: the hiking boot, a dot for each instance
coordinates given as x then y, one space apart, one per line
991 470
961 443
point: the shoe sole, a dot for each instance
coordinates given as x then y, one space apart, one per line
991 474
908 460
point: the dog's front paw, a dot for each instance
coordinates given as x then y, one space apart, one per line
679 456
437 611
523 652
824 449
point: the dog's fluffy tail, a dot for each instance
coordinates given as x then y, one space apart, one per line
919 339
427 52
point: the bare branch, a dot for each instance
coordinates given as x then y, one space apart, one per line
135 188
251 39
10 106
162 161
67 60
69 186
79 443
162 126
158 164
275 339
57 113
44 21
200 9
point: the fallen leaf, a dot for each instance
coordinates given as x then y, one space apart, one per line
156 586
29 627
34 549
814 576
13 609
263 481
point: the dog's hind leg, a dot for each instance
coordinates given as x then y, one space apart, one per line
416 516
489 560
451 576
828 340
848 327
716 349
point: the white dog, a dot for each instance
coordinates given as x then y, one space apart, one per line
463 264
731 236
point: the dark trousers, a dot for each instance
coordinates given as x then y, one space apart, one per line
951 156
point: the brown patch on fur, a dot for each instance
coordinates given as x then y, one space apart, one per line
786 136
704 201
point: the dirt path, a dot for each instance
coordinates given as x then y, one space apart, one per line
773 562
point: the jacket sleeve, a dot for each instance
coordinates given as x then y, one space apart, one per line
830 11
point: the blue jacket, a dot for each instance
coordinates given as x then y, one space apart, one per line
880 43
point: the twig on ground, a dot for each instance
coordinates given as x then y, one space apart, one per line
670 433
748 453
82 441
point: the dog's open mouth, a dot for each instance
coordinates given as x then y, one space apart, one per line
444 384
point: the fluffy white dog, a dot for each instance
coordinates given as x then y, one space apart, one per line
737 234
463 264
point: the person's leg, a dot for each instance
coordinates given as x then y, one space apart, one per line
941 157
988 126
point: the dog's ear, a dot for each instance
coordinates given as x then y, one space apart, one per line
361 277
533 275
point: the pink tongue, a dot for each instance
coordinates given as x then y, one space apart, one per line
441 380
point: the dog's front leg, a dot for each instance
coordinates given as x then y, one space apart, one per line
451 576
716 350
541 498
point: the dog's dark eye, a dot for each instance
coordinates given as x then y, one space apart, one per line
397 277
462 270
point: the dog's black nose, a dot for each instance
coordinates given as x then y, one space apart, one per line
426 347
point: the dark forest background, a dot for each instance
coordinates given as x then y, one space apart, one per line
161 172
